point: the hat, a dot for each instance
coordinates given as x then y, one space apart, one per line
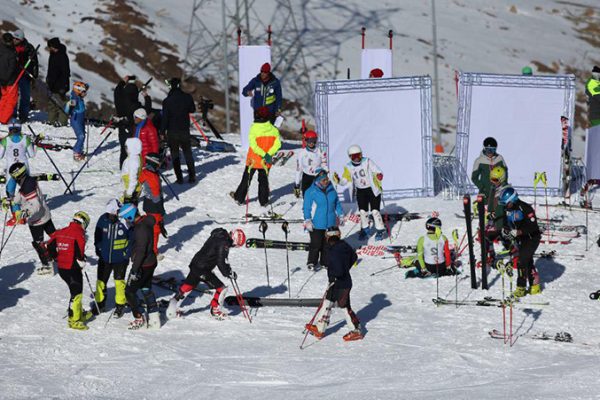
266 67
263 113
526 70
596 69
140 113
376 73
18 34
54 43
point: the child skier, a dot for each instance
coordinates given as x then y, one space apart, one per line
67 247
341 257
76 110
309 160
152 193
366 177
433 252
214 253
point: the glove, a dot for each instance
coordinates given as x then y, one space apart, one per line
6 204
380 177
135 275
232 275
509 234
21 215
336 178
297 191
268 158
163 231
308 225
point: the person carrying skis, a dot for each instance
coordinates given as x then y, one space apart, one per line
57 79
433 252
130 171
214 253
143 264
32 207
264 143
521 228
484 164
15 148
265 90
340 259
366 177
76 110
67 247
25 51
151 191
328 214
113 238
309 160
146 132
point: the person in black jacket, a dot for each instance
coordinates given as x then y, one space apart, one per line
8 62
340 258
175 123
522 229
25 52
57 80
143 264
126 97
214 253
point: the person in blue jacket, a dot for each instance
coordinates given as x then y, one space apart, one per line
327 214
265 90
112 239
76 110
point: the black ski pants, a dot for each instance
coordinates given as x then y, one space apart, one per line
37 234
142 280
525 266
307 181
366 197
263 186
317 249
181 142
73 278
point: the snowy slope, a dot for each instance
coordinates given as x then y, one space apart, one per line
412 349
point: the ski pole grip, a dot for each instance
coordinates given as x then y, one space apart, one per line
285 227
262 228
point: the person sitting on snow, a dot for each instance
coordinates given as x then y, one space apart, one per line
434 257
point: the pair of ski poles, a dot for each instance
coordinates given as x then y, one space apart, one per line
262 228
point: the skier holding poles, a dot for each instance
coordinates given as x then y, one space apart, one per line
309 160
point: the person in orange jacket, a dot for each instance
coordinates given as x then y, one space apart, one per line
264 144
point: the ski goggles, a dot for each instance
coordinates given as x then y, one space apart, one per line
356 157
312 141
489 150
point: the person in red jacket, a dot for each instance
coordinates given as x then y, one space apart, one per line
152 195
67 247
146 132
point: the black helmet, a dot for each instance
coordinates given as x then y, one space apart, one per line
490 142
433 223
173 83
18 170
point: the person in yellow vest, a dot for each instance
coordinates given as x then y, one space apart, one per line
130 171
264 144
592 90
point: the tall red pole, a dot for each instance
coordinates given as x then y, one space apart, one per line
362 33
391 35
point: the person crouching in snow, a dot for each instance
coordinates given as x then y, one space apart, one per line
214 253
76 110
433 253
340 258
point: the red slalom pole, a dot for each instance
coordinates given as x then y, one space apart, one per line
197 125
240 299
315 314
239 35
391 35
362 33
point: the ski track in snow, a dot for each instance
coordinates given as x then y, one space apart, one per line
412 349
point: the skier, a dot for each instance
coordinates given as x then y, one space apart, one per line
521 228
265 90
143 264
366 177
309 160
130 171
484 164
433 252
328 213
213 253
25 51
146 132
496 211
76 109
32 207
264 144
57 80
15 148
151 191
341 258
67 247
113 238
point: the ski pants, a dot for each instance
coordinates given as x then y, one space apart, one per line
365 199
440 269
142 280
74 280
22 108
317 249
525 266
104 271
342 297
193 279
177 142
37 234
124 134
307 181
78 126
244 186
55 113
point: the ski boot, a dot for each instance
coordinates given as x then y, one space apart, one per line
363 234
154 320
310 267
14 221
535 289
119 310
172 311
232 195
379 234
45 270
520 291
78 325
217 314
353 335
137 323
313 330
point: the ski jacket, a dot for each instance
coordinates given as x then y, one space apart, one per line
328 206
152 192
59 71
523 219
142 251
433 250
8 65
126 98
30 198
214 253
265 93
112 240
494 206
76 109
146 132
263 138
340 258
176 111
362 176
67 246
592 89
131 168
481 172
308 161
16 148
25 50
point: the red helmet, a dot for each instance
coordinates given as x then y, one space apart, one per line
238 236
310 135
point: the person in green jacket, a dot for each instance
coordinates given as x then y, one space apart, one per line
592 90
484 164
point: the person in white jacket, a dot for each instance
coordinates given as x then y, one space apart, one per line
130 170
366 177
309 160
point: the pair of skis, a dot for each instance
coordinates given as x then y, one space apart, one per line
281 158
257 243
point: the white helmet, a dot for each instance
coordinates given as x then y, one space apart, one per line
140 113
354 149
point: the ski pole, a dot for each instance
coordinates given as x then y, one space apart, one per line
164 178
240 299
385 269
545 183
51 161
286 230
315 314
262 228
90 157
87 278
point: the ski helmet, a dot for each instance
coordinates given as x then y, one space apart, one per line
355 153
140 113
80 87
498 174
17 171
82 218
238 237
113 206
128 212
14 126
153 161
509 195
173 83
490 142
310 138
433 223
